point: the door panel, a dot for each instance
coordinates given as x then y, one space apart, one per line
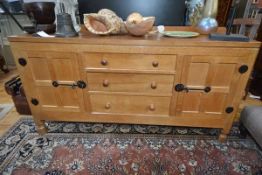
195 77
191 102
223 74
47 96
68 97
54 66
219 73
44 74
63 68
214 102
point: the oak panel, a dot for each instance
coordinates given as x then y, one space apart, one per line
223 74
214 102
197 74
42 74
63 68
47 96
191 102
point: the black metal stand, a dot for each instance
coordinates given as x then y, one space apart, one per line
228 36
12 16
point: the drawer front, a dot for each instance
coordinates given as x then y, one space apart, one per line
130 61
140 83
121 104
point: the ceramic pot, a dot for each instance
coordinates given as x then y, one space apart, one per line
142 27
42 15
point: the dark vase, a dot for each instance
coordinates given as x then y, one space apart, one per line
42 15
41 12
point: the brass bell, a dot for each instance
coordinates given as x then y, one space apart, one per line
65 26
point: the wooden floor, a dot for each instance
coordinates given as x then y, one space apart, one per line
13 116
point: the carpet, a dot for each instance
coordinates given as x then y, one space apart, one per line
105 149
4 109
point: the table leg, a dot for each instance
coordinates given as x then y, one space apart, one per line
41 127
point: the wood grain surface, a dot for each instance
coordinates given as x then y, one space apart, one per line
134 79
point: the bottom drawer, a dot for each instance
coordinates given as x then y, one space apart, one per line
125 104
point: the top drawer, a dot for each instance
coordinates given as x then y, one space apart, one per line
130 62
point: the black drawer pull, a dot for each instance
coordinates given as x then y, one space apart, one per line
80 84
181 87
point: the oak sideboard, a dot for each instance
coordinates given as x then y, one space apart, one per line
152 80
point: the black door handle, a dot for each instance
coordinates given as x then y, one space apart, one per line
181 87
80 84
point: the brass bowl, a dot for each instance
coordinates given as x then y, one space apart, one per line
141 28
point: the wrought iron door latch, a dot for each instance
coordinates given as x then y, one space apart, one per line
181 87
80 84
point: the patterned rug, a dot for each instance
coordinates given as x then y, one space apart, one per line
105 149
4 109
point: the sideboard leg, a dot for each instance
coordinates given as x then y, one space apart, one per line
222 136
41 127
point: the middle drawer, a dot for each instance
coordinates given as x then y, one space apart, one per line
138 83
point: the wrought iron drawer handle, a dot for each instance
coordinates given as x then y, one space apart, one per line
181 87
80 84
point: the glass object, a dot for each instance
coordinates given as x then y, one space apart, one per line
210 9
208 24
194 11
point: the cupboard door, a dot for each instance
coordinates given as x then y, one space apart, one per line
208 85
52 74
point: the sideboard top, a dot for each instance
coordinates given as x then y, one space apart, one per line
149 40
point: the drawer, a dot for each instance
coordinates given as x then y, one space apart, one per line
140 83
130 61
127 104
